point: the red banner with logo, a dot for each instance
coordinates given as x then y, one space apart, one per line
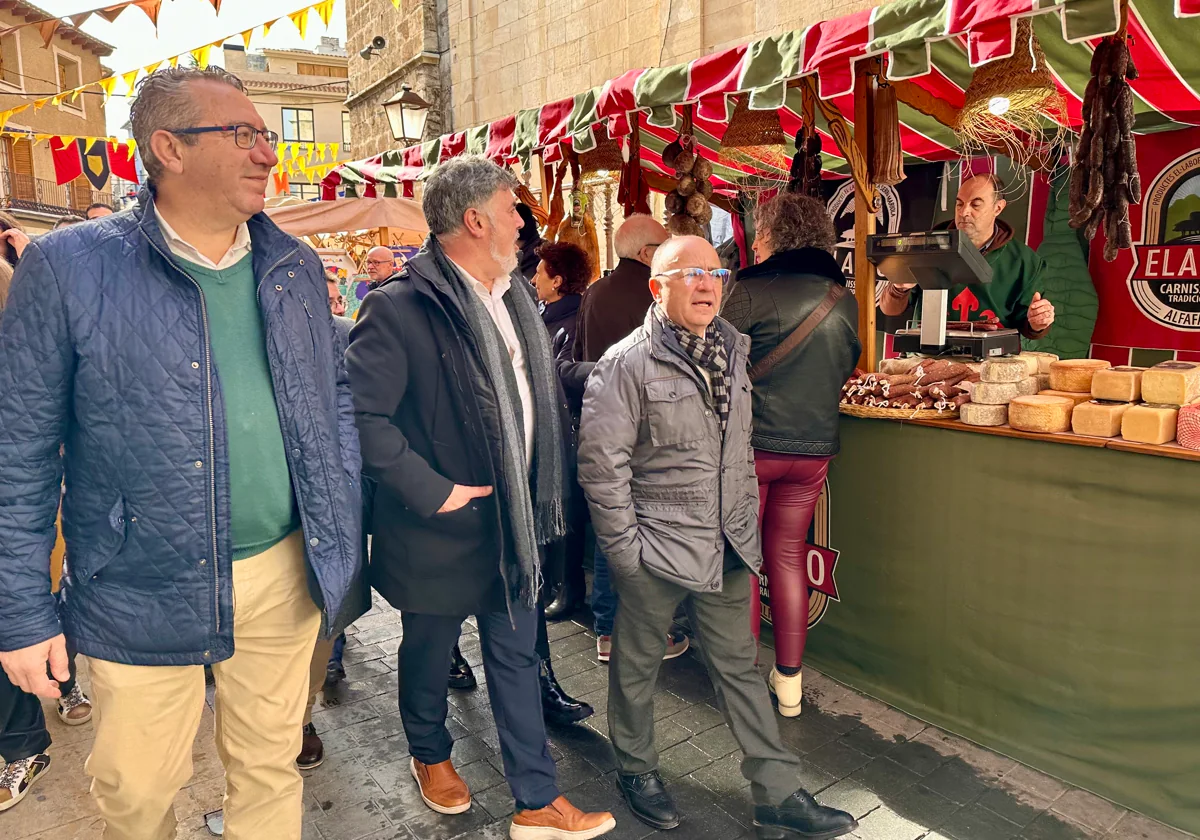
1150 296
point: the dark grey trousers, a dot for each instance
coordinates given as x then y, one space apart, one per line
721 621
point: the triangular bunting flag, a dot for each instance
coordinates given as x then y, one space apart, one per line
266 27
130 79
94 160
107 84
150 68
246 37
325 11
300 18
41 103
174 61
65 139
40 138
321 152
75 93
201 55
68 165
396 3
120 162
111 13
47 28
216 4
150 7
132 147
79 19
281 182
309 150
56 100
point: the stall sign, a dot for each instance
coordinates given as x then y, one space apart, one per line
820 563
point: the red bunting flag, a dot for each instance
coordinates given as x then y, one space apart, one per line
92 157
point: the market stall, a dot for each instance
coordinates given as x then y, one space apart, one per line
1025 579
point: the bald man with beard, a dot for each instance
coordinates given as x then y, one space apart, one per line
381 265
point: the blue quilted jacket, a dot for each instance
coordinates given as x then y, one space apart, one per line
104 347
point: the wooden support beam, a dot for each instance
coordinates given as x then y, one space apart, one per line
866 81
843 136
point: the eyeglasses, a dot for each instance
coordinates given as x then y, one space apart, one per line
380 262
245 135
692 276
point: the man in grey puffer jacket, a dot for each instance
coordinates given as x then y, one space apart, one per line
666 463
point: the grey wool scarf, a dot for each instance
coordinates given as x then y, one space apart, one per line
536 513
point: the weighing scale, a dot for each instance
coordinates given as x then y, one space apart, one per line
937 261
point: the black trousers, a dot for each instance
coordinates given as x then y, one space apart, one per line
23 732
510 664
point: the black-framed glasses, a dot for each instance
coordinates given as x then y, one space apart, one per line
245 135
692 276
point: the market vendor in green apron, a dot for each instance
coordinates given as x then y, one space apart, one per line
1013 298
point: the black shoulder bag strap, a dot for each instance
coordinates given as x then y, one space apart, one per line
797 336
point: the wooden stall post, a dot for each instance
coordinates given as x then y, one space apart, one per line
865 199
385 237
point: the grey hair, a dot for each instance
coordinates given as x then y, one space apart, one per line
165 101
638 231
459 184
793 220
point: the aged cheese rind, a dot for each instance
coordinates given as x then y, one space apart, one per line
1043 381
1171 383
1032 363
1027 387
1010 369
1073 396
1044 360
977 414
1075 374
1098 419
1040 414
1121 384
994 393
1150 424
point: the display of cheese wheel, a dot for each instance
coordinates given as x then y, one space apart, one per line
1122 384
1044 360
993 393
977 414
1098 419
1171 383
1075 374
1043 381
1150 423
1187 427
1032 363
1074 396
1040 414
1005 369
1027 387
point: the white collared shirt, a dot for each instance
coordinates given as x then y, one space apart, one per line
186 251
493 302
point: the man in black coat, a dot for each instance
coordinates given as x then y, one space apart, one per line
458 405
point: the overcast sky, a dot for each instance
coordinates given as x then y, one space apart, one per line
184 25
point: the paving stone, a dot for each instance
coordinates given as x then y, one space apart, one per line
496 800
1089 810
339 717
1051 826
570 645
341 781
380 752
703 818
586 682
556 630
896 726
885 777
682 759
957 781
1015 805
394 774
990 765
376 729
379 635
667 704
806 733
430 825
576 664
353 822
838 759
867 740
368 669
718 742
723 776
919 804
851 797
668 734
469 749
364 653
917 756
480 776
812 778
698 718
602 795
1028 779
1137 827
976 822
885 824
574 771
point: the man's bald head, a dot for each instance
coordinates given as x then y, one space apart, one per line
638 238
690 302
381 263
979 203
685 252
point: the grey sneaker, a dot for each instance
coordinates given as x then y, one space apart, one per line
75 709
677 645
603 648
18 777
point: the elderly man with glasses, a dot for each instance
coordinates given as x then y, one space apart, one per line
666 463
381 265
186 354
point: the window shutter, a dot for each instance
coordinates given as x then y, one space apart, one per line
21 156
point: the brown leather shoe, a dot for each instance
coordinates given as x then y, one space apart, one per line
560 820
312 751
441 787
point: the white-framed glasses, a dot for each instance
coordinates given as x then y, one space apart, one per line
692 276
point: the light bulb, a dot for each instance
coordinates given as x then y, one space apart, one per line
998 105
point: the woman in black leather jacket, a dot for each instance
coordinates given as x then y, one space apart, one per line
795 404
561 279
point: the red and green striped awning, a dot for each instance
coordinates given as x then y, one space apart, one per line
935 44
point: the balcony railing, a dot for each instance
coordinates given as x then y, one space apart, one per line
25 192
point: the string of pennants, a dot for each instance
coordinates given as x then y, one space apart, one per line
108 84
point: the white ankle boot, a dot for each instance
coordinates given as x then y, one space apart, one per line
787 691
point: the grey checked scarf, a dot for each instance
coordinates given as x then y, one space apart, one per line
537 518
710 354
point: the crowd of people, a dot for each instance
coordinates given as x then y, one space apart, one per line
222 440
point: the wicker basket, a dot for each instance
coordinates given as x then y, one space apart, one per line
873 413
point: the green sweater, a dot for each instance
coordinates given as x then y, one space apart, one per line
1016 275
262 504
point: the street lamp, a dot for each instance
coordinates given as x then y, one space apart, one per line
406 113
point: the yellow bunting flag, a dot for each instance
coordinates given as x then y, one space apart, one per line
41 138
56 100
108 84
150 68
41 103
333 151
130 79
201 55
325 11
396 3
300 18
75 93
174 61
246 37
132 147
321 152
65 140
266 27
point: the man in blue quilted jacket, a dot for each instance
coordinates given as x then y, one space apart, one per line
185 354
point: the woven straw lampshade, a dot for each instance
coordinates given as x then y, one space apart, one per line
1008 100
754 138
606 157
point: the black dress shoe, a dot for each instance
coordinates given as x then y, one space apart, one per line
800 816
558 707
564 604
649 800
312 751
461 676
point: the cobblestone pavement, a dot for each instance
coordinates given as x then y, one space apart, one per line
902 779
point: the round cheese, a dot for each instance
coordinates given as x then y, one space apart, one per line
1040 414
976 414
994 393
1075 374
1122 384
1032 364
1171 383
1074 396
1027 387
1044 360
1043 381
1007 369
1150 423
1098 419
